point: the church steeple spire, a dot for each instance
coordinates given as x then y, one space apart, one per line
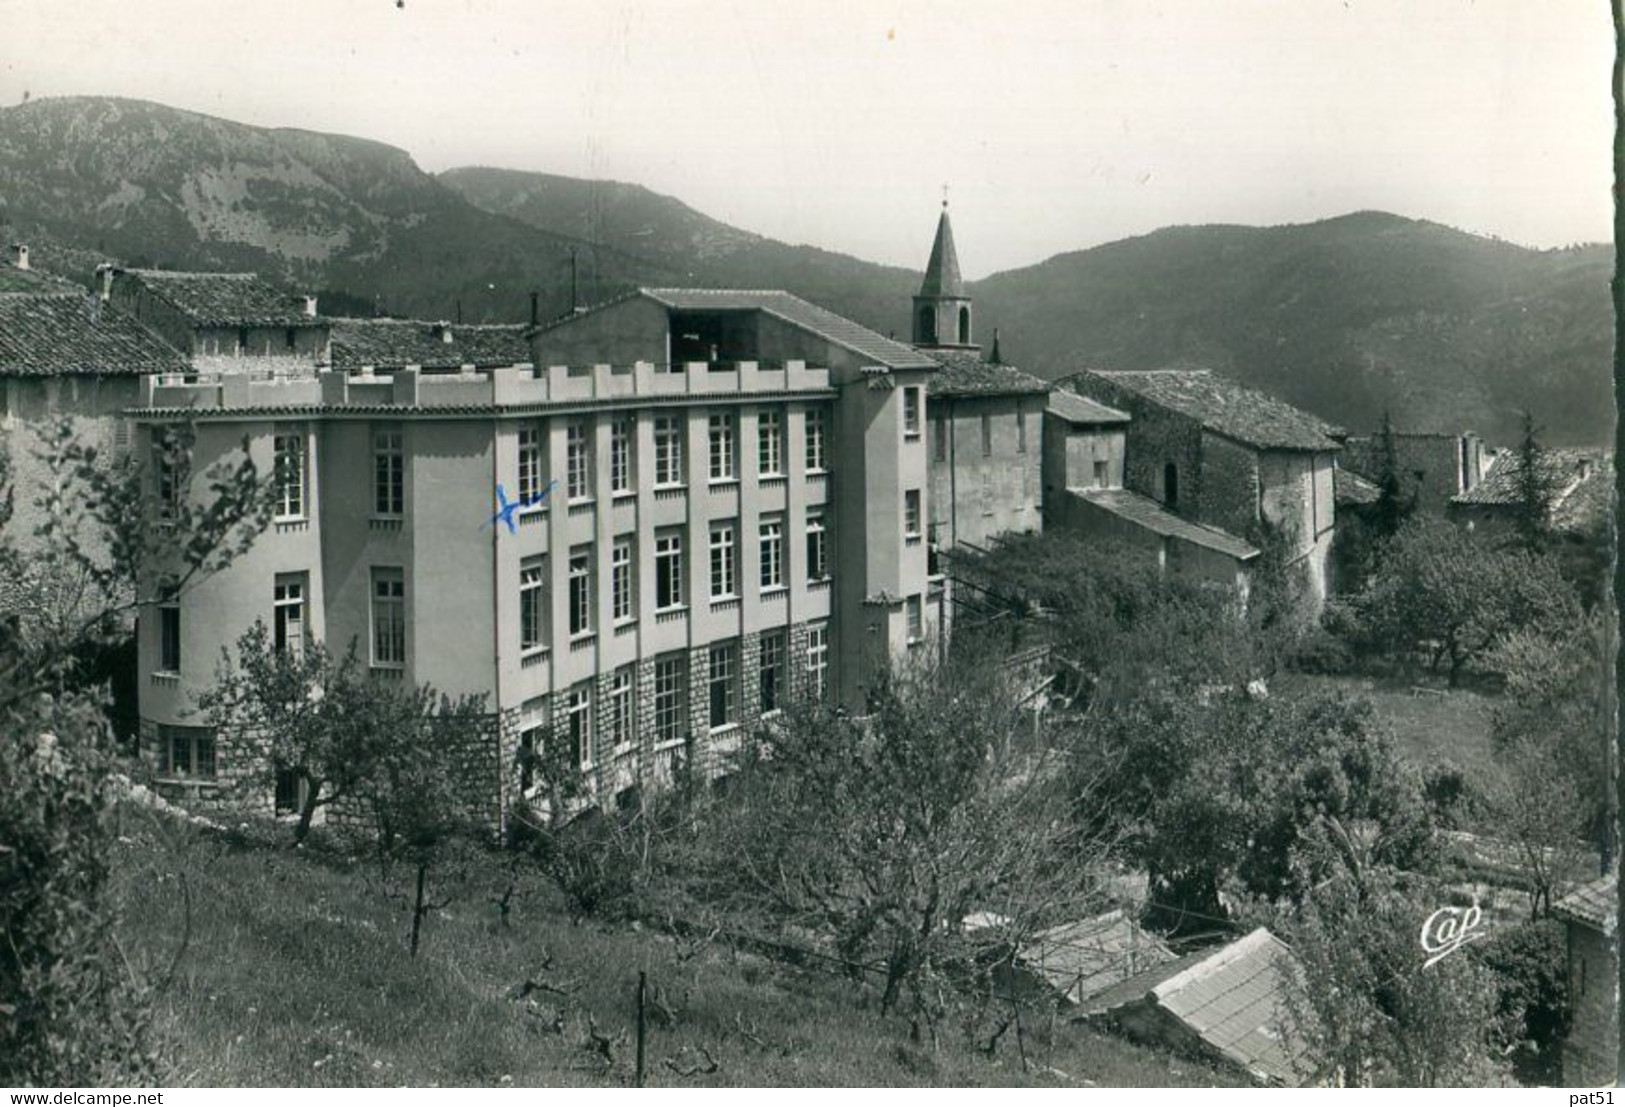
942 311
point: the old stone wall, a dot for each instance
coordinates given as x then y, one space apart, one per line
1590 1053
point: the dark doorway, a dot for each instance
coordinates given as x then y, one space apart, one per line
1170 484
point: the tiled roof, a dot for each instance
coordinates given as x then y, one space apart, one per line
1560 469
1081 409
394 343
1218 403
13 279
798 312
1590 503
1231 998
1142 511
223 299
1350 489
969 374
1082 959
74 334
1595 904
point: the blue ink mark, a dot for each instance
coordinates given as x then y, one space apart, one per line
506 508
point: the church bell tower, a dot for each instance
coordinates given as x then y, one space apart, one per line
942 311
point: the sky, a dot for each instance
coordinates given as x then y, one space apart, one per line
1055 124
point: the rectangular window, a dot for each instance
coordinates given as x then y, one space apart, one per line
1021 432
1102 474
580 590
532 609
668 450
579 721
288 793
915 611
577 460
388 473
290 475
670 698
620 454
722 447
169 632
770 669
818 661
622 584
911 411
388 618
723 584
817 551
532 742
288 614
530 464
724 683
771 553
940 430
186 751
987 435
769 444
166 466
668 571
815 440
911 513
620 707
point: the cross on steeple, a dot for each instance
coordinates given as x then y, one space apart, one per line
945 197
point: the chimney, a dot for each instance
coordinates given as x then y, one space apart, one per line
535 307
1585 468
19 255
104 279
307 305
442 331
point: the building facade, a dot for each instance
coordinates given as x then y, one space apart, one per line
1432 468
1590 915
632 561
216 319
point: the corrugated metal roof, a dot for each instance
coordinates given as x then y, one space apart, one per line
970 374
1145 512
1595 904
1074 408
223 299
798 312
1082 959
74 334
1218 403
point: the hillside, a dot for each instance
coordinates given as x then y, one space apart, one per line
1347 317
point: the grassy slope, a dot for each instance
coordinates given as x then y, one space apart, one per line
296 973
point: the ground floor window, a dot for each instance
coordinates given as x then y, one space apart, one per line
770 670
186 751
818 661
724 677
671 685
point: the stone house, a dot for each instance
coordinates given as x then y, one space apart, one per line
1578 481
1433 468
1591 917
1201 449
215 319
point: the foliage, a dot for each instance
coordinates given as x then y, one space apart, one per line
1530 963
1444 596
1368 1011
1532 510
881 837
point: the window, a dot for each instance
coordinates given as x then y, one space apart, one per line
723 585
928 324
911 411
915 610
668 450
815 440
911 513
169 632
530 464
388 473
532 741
722 447
288 614
532 611
770 669
772 553
987 435
577 461
724 683
388 618
817 560
579 724
289 791
940 430
964 327
1102 474
166 465
186 751
289 449
818 660
580 591
1170 484
621 581
668 571
671 693
769 444
620 707
620 454
1021 432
